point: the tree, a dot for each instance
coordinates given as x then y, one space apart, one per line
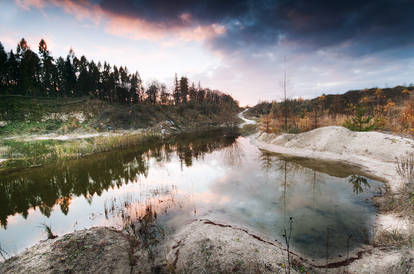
135 88
59 77
360 120
69 76
184 89
94 78
176 92
164 96
28 69
46 69
265 122
200 94
152 92
83 83
3 69
193 93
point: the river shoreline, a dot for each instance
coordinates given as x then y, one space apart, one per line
211 245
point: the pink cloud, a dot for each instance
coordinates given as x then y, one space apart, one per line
131 27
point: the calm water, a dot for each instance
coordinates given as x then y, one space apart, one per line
211 176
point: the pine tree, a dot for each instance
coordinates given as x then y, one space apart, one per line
3 69
69 75
184 89
83 79
193 93
47 69
28 69
176 92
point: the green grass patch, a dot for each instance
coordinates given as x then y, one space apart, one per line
34 153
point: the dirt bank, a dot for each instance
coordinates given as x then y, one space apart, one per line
200 246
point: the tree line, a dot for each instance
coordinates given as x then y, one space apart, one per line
27 73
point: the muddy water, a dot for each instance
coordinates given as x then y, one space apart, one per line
215 176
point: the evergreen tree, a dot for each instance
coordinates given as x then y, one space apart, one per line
193 93
133 89
83 79
69 75
28 69
59 77
12 72
47 69
3 69
94 78
176 92
184 89
26 73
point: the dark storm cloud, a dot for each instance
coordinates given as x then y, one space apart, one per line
354 26
169 12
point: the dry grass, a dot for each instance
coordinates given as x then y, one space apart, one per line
391 117
393 238
402 201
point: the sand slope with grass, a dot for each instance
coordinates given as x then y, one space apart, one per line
374 152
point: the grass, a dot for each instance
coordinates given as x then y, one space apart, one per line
34 153
400 203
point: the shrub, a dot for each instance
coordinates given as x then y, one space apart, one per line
360 121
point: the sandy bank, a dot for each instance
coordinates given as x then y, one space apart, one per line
375 153
201 246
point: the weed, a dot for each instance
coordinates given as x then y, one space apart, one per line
405 168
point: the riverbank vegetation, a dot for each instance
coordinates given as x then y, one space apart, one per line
41 94
79 107
60 181
389 109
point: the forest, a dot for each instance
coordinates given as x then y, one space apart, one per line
386 109
26 73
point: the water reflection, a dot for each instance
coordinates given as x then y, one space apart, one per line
213 176
324 214
359 183
52 185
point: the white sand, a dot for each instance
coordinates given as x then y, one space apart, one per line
375 153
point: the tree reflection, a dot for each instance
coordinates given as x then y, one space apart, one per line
56 184
358 183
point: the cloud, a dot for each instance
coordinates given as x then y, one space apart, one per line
355 27
330 46
122 23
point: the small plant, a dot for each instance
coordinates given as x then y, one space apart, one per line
405 168
360 121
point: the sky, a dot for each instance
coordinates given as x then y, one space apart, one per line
241 47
